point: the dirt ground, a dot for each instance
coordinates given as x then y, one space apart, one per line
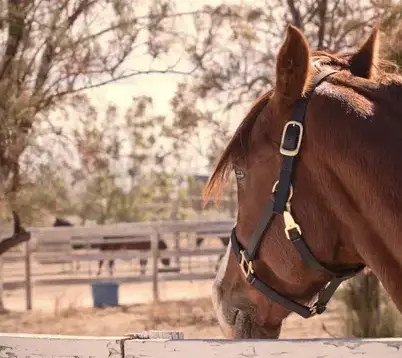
185 306
59 310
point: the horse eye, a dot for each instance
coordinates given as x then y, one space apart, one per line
239 173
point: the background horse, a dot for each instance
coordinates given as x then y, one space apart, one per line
142 245
303 229
63 222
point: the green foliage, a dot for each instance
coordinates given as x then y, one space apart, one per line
121 176
368 311
41 195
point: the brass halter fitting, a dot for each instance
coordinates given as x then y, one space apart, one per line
313 311
290 224
288 206
290 193
245 265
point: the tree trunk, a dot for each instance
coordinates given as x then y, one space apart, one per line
19 236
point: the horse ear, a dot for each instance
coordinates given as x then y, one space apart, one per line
363 62
292 67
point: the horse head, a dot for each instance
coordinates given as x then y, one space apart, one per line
316 163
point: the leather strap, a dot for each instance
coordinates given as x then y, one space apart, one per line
290 141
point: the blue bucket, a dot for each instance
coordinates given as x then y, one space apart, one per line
105 294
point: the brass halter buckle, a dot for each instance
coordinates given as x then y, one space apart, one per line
295 151
245 265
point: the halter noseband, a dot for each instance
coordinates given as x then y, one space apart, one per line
280 203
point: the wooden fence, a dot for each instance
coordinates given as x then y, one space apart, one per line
52 245
173 345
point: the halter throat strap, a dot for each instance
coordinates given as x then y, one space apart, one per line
280 205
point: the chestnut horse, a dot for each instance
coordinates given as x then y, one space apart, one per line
319 188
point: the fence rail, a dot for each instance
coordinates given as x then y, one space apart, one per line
132 229
160 345
55 245
125 255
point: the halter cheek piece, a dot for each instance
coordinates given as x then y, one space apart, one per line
280 204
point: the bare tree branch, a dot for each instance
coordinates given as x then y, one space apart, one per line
48 54
16 27
322 11
295 14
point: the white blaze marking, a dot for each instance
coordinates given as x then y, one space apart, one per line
215 299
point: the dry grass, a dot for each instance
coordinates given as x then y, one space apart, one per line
67 309
194 317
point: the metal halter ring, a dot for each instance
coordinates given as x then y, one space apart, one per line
290 192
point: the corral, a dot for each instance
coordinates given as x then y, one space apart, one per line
52 249
61 295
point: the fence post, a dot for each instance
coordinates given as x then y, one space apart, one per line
2 308
155 258
173 217
28 281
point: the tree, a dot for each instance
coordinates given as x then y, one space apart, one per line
234 48
19 236
55 49
121 174
43 192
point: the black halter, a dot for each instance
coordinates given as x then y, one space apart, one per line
280 204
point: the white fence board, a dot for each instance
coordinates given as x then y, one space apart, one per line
54 346
135 229
124 255
44 346
319 348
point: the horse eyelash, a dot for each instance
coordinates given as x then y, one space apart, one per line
239 173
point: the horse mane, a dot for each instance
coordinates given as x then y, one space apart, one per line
239 145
